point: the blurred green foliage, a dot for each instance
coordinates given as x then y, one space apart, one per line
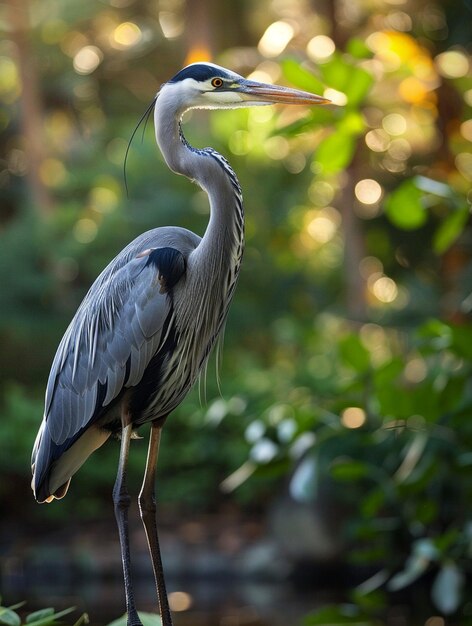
43 617
347 355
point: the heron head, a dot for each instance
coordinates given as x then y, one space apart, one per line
209 86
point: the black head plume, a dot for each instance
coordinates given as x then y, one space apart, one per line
144 117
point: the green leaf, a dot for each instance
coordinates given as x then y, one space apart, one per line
301 77
13 607
336 615
445 541
371 602
446 592
352 123
359 85
354 353
335 152
462 340
9 617
404 206
357 48
426 511
450 229
50 618
346 77
336 72
41 614
348 470
372 502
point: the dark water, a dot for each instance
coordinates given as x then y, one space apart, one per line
221 601
207 586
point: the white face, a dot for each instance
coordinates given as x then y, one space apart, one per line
215 93
218 92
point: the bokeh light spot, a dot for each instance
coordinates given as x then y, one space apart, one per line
276 38
276 147
415 370
180 601
103 200
8 75
466 130
377 140
87 59
413 90
353 417
321 193
323 226
399 149
394 124
452 64
384 289
399 20
85 230
126 35
171 24
320 48
468 97
337 97
368 191
463 163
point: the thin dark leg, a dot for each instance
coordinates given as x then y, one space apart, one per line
147 507
121 500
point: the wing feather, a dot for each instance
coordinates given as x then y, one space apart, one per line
57 429
114 335
97 352
116 378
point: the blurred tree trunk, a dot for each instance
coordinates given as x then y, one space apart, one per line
31 117
354 243
213 26
200 25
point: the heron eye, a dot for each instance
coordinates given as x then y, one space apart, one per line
216 82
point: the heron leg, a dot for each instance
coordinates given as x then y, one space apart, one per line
147 507
121 500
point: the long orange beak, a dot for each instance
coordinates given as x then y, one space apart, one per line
262 93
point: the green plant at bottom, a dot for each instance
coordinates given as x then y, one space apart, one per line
43 617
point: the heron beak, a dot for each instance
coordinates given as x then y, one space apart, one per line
262 93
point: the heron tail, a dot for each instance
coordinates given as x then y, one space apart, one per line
52 472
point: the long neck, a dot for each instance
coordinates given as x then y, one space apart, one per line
224 236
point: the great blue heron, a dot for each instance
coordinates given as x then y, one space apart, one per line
148 323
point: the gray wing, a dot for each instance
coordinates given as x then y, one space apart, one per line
116 331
